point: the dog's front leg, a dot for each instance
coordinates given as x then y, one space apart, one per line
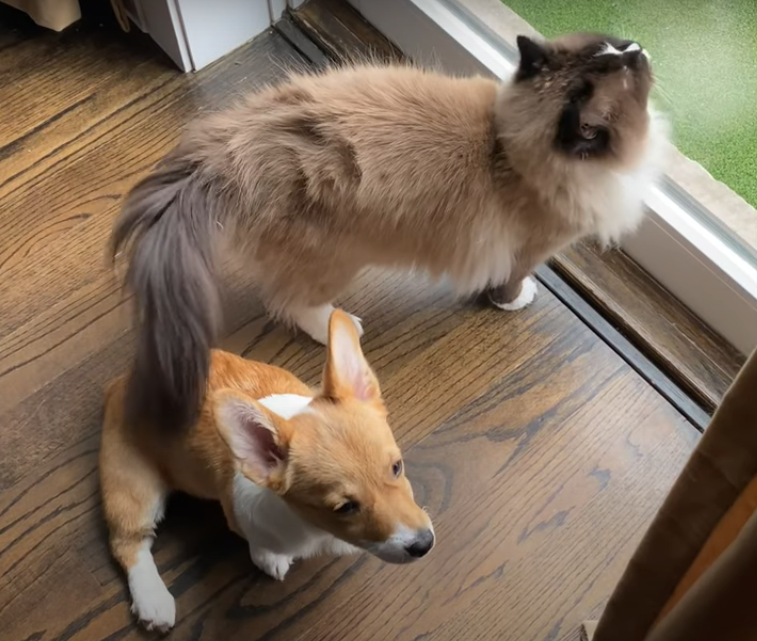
274 565
336 547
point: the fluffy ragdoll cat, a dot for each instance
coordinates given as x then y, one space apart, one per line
317 178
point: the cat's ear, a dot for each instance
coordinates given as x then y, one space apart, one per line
533 57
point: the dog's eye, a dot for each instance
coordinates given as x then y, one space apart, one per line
397 468
348 507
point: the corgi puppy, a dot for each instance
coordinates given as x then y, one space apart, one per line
315 179
297 472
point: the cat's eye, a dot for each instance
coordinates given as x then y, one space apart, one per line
348 507
397 468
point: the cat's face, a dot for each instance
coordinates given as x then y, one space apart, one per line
594 91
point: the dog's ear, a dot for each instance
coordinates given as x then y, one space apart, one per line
347 373
258 438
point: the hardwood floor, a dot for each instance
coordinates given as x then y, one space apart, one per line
700 361
541 454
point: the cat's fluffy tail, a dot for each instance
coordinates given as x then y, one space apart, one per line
168 224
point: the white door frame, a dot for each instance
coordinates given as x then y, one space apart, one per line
195 33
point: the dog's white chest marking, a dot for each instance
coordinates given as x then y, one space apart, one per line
275 534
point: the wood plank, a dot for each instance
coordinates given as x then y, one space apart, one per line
58 294
540 453
288 28
46 106
679 399
343 33
519 560
17 27
703 364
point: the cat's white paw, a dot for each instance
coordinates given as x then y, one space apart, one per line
274 565
314 321
358 322
526 297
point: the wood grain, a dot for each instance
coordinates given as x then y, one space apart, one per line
342 33
541 454
699 360
56 223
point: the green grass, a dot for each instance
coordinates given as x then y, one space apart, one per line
704 53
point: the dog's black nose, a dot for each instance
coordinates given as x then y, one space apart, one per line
422 545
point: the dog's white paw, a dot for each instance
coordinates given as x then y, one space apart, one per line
274 565
526 296
155 608
152 603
